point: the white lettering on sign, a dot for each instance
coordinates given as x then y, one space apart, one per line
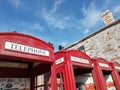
60 60
103 65
117 67
82 60
26 49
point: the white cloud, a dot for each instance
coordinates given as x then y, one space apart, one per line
64 43
57 4
116 9
91 15
86 31
15 3
31 26
36 26
57 20
23 27
54 19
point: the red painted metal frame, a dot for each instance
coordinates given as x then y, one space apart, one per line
116 73
25 40
67 66
17 56
98 74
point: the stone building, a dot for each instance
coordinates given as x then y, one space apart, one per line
102 43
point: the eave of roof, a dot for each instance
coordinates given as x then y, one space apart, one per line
93 34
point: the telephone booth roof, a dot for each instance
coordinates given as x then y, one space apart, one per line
24 47
75 57
115 66
102 63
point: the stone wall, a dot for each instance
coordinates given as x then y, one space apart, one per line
104 43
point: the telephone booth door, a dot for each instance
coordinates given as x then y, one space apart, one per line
60 74
103 73
116 73
77 68
83 78
42 79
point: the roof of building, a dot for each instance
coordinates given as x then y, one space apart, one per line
93 34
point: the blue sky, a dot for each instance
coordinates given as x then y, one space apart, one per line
61 22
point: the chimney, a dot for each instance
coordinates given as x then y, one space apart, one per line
108 17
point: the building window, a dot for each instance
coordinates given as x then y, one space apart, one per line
82 48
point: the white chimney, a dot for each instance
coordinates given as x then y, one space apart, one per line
108 17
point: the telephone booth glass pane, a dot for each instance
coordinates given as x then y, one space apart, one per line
58 78
40 88
60 81
62 77
43 81
40 80
109 80
83 78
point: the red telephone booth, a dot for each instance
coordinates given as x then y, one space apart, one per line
26 63
73 70
116 74
103 75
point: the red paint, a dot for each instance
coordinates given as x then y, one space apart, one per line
22 48
24 40
98 70
66 66
116 73
68 63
